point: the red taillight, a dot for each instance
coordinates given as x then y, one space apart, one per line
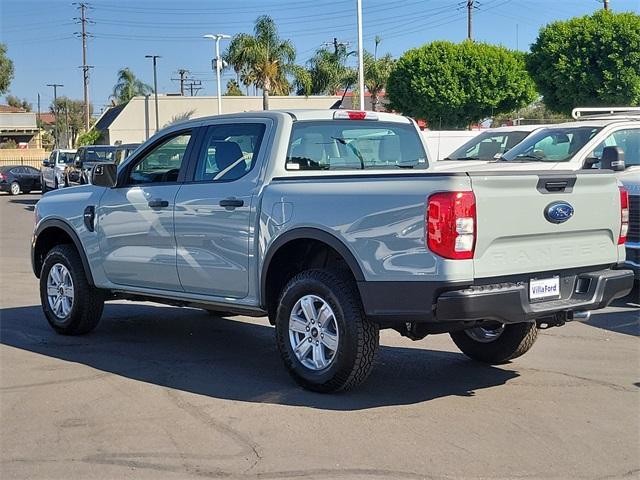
354 115
451 224
624 215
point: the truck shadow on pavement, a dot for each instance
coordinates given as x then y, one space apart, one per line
29 203
189 350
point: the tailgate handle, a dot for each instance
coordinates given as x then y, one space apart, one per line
556 186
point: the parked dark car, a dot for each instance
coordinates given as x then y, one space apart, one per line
15 179
79 171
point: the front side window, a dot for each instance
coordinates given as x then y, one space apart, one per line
354 145
488 145
229 151
99 154
162 164
627 139
551 145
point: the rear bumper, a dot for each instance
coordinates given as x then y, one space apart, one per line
633 257
507 302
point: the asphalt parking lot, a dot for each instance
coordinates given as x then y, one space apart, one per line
161 392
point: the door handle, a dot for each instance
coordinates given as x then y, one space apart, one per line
158 203
231 202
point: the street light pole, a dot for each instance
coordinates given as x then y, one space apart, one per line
55 107
360 57
217 37
155 87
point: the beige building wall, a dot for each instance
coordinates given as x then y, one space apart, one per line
137 121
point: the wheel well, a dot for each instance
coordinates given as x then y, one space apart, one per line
47 239
296 256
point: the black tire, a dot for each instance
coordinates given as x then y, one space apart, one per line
13 190
357 339
43 186
515 340
88 301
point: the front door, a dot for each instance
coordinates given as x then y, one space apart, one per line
213 211
135 219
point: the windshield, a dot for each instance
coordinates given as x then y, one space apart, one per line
551 145
488 145
354 145
99 154
65 157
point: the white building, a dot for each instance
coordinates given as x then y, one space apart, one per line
135 121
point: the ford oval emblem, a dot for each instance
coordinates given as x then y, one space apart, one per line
558 212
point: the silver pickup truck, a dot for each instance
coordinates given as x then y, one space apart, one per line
330 223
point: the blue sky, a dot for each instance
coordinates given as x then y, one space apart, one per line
40 34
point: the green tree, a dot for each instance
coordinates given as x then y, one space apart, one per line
233 89
14 101
263 59
69 116
128 86
6 69
588 61
88 138
376 75
453 85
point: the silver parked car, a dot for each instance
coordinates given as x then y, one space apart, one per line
52 171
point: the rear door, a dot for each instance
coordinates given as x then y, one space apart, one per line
213 211
545 222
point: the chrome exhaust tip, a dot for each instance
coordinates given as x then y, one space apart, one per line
582 316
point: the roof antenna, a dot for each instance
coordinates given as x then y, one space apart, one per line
338 104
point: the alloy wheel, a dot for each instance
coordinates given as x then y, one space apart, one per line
313 332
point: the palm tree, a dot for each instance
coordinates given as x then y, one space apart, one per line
376 74
263 59
328 71
128 86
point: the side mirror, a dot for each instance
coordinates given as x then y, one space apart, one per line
77 163
105 175
45 163
612 159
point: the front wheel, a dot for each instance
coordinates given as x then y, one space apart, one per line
496 343
324 339
71 305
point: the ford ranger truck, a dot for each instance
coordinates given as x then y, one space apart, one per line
329 223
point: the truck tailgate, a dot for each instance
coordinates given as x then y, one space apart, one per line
515 235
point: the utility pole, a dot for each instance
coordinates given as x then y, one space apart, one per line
360 56
606 4
155 87
85 68
190 83
55 108
183 75
218 63
470 5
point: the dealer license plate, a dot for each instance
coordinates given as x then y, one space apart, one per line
544 289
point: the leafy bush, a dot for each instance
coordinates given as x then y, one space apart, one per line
588 61
453 85
88 138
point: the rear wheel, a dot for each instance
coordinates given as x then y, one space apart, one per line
14 189
71 305
43 185
324 339
496 343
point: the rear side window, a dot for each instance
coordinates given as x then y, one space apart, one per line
355 145
229 151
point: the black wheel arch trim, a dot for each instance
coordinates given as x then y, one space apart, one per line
69 230
309 233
